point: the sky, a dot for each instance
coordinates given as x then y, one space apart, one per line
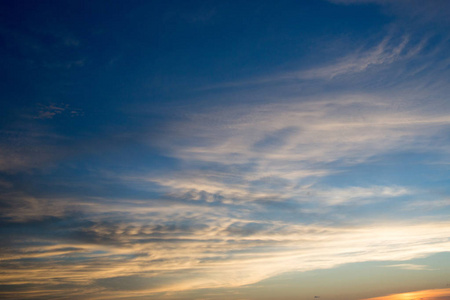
243 150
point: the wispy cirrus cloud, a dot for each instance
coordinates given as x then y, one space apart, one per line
391 49
210 219
388 51
409 267
214 244
348 130
215 249
319 166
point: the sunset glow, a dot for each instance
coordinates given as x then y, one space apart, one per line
440 294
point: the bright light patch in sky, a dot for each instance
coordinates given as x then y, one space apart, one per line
225 150
438 294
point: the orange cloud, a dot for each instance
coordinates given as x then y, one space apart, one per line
418 295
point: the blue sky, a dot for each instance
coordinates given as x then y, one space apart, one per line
224 150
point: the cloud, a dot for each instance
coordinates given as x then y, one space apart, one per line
210 252
27 146
409 267
393 48
49 111
217 219
20 207
245 229
436 294
353 195
253 189
346 130
52 110
386 52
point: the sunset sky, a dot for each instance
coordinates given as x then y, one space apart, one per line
241 150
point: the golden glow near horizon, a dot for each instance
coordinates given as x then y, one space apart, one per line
417 295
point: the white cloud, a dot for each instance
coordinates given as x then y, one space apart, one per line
346 130
390 50
410 267
355 195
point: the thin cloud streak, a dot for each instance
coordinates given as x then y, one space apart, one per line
388 51
409 267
